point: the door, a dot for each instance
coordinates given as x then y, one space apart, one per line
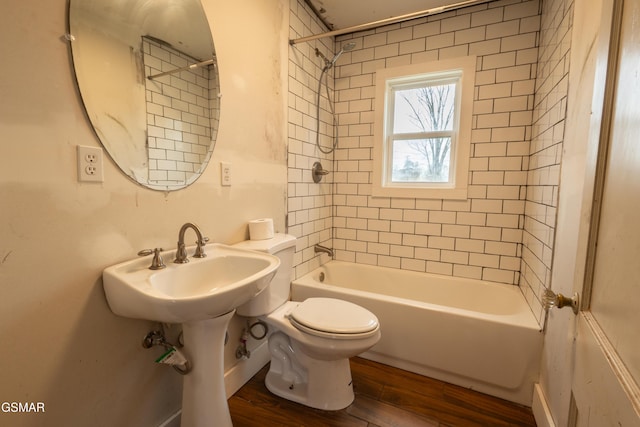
607 345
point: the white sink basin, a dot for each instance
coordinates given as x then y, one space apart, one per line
203 288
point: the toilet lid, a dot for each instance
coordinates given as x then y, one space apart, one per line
333 316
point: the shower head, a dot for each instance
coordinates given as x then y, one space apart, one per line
345 48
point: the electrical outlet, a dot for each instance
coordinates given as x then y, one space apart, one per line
225 174
90 164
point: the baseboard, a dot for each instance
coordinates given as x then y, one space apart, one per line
540 408
235 377
243 371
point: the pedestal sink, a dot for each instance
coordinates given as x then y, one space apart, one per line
202 295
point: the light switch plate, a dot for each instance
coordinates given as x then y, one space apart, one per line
225 174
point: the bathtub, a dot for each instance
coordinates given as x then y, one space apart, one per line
476 334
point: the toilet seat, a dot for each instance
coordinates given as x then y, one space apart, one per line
333 318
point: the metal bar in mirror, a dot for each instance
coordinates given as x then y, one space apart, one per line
187 67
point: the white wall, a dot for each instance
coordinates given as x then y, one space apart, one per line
62 345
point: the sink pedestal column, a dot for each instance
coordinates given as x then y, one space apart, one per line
204 399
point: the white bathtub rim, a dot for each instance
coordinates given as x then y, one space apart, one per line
517 319
449 282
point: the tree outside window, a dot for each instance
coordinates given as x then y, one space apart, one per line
423 123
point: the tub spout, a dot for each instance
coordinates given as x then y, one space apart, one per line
320 248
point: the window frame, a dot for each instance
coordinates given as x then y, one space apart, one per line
421 75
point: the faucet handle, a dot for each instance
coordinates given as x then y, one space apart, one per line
199 253
157 263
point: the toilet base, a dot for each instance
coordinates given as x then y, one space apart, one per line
320 384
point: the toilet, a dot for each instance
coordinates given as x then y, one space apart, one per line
310 342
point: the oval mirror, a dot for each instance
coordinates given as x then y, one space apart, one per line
148 78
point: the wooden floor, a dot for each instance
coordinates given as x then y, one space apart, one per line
385 396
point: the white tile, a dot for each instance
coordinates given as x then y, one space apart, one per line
508 134
496 275
449 230
503 29
520 41
493 120
454 257
488 206
455 23
505 163
484 260
440 41
403 203
486 17
442 217
402 227
439 268
522 10
386 51
400 35
468 271
414 240
484 47
453 52
415 215
427 29
395 232
413 264
388 261
470 35
401 251
428 229
412 46
374 40
390 238
500 90
487 178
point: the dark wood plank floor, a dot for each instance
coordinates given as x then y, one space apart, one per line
385 396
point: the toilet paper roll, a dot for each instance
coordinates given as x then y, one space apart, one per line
261 229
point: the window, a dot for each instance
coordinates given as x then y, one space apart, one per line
423 129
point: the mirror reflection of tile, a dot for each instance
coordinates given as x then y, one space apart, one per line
179 113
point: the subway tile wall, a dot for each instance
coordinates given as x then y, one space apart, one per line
181 115
546 151
504 231
480 237
310 205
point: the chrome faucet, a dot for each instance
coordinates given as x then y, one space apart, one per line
181 253
320 248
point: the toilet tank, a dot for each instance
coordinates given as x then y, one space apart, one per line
277 293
